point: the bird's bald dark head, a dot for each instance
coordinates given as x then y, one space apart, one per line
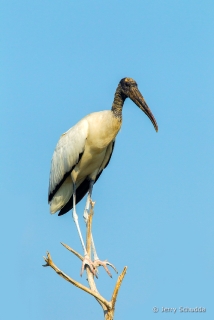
126 84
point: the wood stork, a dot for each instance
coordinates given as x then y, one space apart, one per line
83 152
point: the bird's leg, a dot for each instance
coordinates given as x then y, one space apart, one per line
86 261
97 261
85 216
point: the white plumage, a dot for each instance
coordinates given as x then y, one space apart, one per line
81 153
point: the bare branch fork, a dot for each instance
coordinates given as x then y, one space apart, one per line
107 306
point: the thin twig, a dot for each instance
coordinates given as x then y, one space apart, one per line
117 286
73 251
50 263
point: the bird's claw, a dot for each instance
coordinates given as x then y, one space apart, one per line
97 263
87 262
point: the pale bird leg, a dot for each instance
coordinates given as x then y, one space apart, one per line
97 262
86 261
85 216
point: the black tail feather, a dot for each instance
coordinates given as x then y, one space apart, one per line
80 193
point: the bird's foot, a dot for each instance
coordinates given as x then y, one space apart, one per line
88 263
97 263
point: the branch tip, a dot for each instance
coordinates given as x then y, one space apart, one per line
73 251
117 286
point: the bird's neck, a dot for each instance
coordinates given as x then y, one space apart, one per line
118 102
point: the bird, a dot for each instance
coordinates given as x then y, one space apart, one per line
81 155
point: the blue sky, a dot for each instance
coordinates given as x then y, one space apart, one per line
61 60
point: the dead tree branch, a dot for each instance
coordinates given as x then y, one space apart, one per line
107 306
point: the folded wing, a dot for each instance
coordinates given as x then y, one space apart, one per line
67 154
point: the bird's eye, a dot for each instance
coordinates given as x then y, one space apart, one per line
127 84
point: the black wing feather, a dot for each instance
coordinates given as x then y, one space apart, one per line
51 195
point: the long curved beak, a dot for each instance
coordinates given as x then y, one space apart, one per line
138 99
